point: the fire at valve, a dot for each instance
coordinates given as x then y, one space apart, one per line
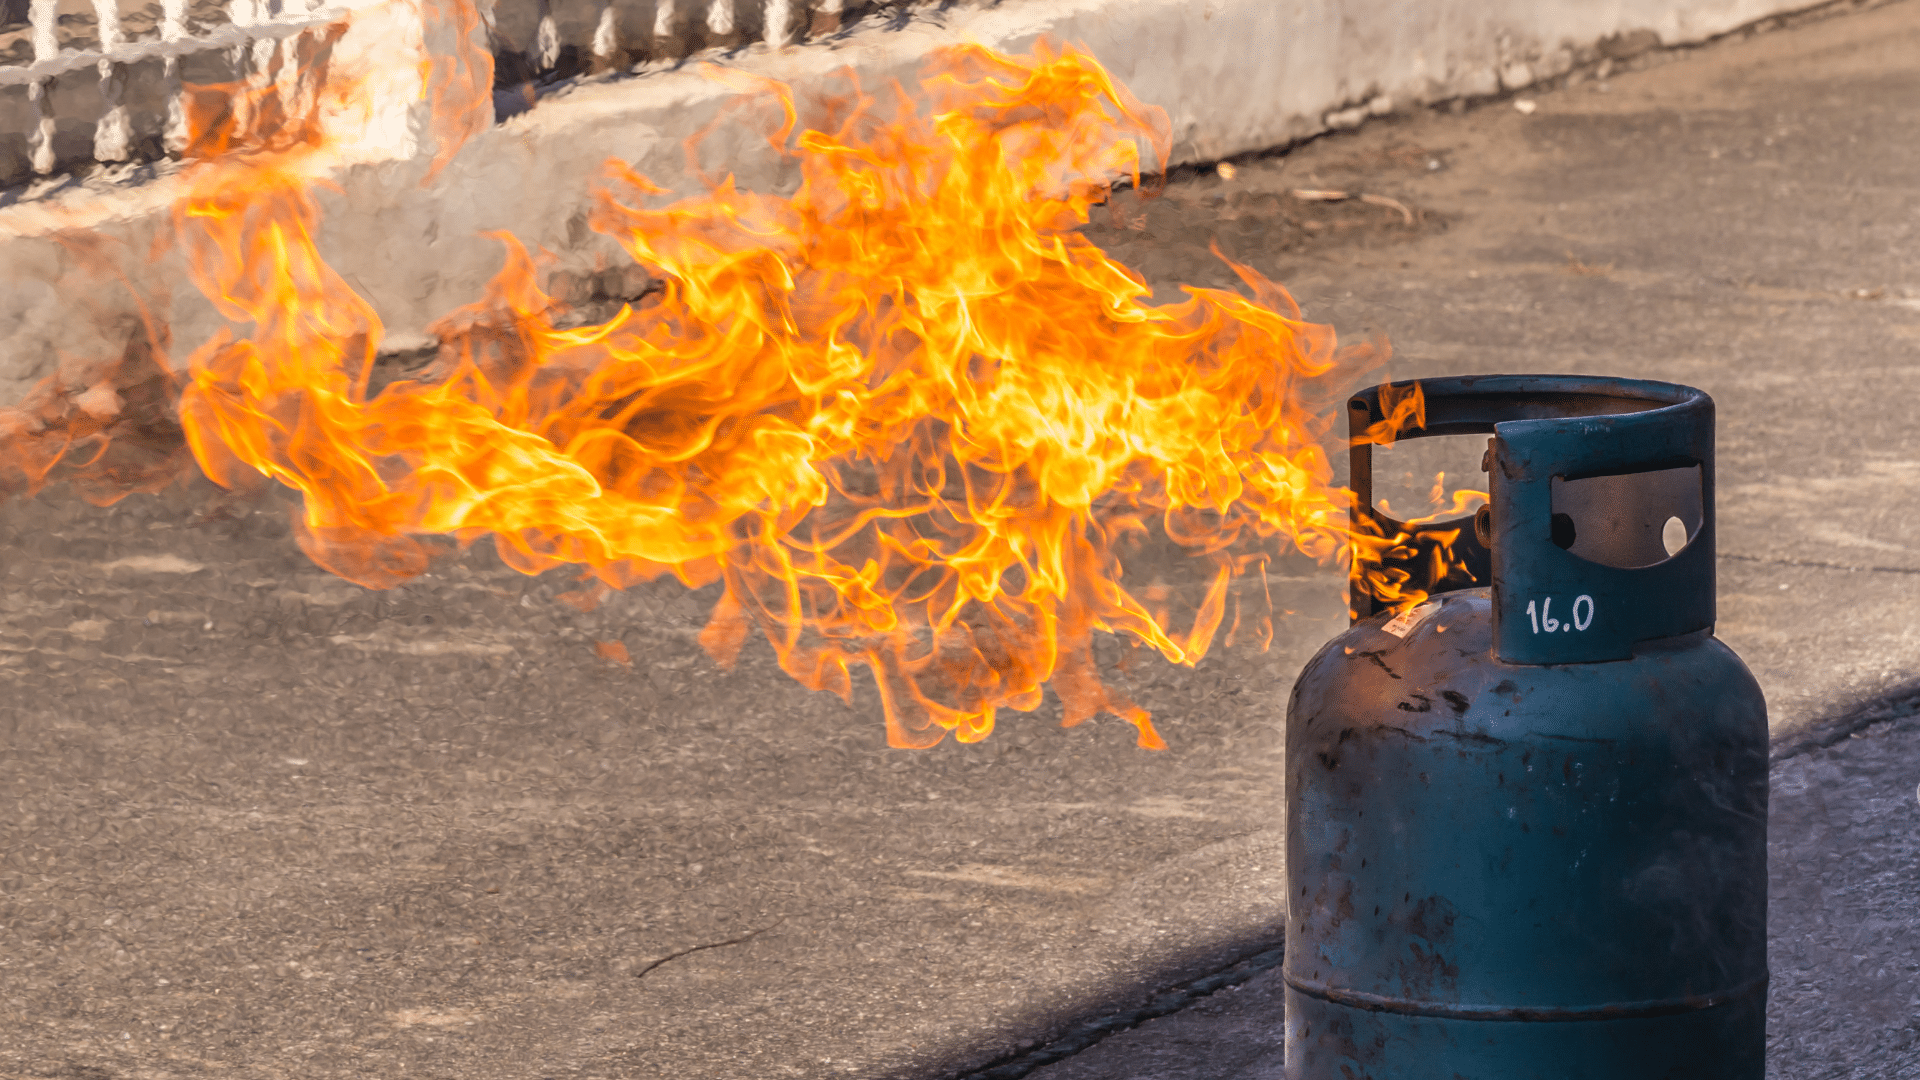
909 416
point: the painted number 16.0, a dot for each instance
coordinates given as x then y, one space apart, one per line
1543 617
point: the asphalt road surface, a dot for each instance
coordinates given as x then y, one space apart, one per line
260 823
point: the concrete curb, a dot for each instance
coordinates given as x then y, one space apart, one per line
1235 76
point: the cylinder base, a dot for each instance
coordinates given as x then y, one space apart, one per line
1330 1041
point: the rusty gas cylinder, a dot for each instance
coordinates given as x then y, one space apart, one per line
1526 831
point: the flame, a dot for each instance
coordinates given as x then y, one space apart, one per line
1405 408
1380 556
909 417
1443 504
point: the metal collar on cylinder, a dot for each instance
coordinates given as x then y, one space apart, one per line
1599 530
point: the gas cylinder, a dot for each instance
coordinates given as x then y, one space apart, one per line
1527 818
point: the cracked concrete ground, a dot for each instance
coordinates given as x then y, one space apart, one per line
262 823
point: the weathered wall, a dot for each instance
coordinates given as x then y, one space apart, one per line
1234 76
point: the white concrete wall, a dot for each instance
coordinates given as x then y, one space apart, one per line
1233 75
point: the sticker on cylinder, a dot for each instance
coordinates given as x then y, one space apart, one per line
1402 624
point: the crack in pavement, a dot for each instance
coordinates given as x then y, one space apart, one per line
748 936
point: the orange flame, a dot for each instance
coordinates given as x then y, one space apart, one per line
1405 408
909 416
1375 548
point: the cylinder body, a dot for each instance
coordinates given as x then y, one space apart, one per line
1505 871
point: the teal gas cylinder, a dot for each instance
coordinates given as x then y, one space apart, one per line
1527 820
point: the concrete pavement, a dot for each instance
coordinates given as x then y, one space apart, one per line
262 823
